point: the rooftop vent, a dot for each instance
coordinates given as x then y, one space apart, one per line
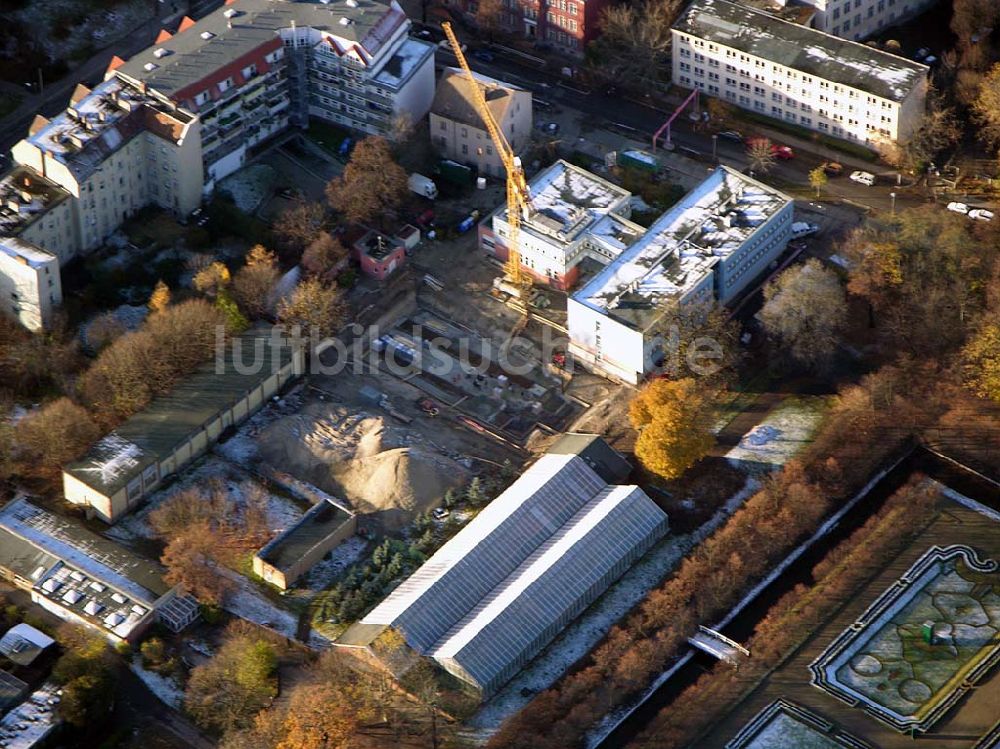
230 13
346 21
150 66
161 52
351 3
206 35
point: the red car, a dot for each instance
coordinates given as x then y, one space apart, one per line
777 151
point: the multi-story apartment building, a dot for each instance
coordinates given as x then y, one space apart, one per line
252 68
166 125
800 75
711 245
562 25
858 19
457 130
30 286
115 150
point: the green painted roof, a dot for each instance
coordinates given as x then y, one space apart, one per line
153 434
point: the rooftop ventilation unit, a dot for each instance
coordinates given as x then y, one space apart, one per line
161 52
346 21
351 3
230 13
206 35
149 67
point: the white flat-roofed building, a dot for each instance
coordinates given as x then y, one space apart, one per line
764 64
500 590
573 214
30 284
718 238
858 19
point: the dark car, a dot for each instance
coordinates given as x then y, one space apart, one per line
732 135
483 55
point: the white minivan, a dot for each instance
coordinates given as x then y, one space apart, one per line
865 178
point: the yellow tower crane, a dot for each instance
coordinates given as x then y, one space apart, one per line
518 196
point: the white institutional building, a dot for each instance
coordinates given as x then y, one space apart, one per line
858 19
167 124
781 69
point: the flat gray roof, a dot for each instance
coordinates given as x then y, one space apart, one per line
807 50
192 57
154 433
607 462
25 196
287 548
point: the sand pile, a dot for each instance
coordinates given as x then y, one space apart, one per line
375 465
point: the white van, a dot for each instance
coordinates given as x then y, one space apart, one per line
865 178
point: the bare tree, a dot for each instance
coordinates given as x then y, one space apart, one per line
804 311
760 155
986 107
325 257
253 286
634 41
372 187
300 224
55 434
489 14
314 306
939 129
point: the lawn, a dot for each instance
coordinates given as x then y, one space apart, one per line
326 136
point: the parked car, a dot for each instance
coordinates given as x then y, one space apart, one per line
958 207
865 178
552 128
832 169
802 229
445 45
782 152
483 55
981 214
732 135
921 53
440 513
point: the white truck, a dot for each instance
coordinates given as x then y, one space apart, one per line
423 186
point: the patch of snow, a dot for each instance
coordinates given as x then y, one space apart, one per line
781 435
248 603
165 688
249 186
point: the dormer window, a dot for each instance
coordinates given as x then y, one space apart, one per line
149 67
206 35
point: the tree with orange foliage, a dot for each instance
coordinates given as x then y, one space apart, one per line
673 422
190 559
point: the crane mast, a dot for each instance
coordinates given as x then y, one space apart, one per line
518 196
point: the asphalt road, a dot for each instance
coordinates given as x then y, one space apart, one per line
646 118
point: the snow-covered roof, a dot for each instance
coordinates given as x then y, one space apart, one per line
534 546
800 48
680 249
102 120
25 252
398 68
567 201
236 31
25 196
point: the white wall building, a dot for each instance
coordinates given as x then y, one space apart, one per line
457 129
858 19
30 285
575 214
759 62
717 239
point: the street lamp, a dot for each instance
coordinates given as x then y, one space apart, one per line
892 196
715 141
